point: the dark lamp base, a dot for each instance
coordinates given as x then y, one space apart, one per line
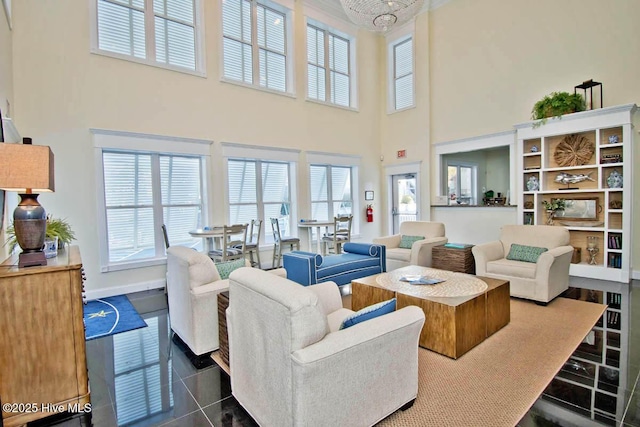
31 259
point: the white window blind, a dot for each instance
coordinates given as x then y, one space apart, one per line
254 44
403 74
143 191
328 66
259 190
129 28
331 191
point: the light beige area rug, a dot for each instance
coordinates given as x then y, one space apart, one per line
496 383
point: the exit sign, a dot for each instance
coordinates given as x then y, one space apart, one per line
402 154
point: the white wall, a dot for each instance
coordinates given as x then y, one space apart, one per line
63 91
497 171
475 225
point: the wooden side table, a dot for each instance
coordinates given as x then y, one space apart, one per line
223 337
454 259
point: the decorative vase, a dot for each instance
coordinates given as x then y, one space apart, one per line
533 184
592 248
614 180
51 247
550 214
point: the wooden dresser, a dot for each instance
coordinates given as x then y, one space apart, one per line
43 363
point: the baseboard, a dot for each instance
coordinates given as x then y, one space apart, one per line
127 289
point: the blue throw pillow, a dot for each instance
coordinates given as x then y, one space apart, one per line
407 241
525 253
370 312
226 268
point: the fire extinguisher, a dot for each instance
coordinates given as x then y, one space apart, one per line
369 213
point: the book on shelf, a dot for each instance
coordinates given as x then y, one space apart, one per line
615 241
415 279
615 260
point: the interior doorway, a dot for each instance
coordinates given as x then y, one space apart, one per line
404 191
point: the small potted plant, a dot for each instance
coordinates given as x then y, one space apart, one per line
57 228
552 207
556 104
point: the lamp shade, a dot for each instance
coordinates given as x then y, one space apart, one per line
26 167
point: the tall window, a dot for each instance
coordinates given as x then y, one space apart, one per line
461 181
260 190
142 191
255 44
331 193
402 81
158 31
328 66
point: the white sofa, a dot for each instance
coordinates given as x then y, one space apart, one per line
291 366
193 285
420 252
541 281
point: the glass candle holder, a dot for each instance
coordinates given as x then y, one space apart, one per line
592 241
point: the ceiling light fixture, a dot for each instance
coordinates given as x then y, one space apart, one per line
381 15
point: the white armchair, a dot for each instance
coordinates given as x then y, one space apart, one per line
291 366
420 252
193 285
541 281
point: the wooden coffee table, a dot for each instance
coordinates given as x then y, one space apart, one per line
453 325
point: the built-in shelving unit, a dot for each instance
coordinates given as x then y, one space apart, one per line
593 382
609 131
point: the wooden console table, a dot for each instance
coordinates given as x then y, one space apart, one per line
43 363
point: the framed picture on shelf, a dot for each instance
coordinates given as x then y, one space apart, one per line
368 195
587 208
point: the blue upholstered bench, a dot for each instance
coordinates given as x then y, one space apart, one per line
357 260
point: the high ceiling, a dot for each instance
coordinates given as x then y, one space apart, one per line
334 7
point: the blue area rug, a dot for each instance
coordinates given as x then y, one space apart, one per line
109 316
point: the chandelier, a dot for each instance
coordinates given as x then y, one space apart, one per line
381 15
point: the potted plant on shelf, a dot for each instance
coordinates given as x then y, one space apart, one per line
552 207
555 105
57 229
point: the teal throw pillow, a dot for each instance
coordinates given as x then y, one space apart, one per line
407 241
226 268
525 253
370 312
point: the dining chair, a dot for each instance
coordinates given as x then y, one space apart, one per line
279 240
232 245
166 236
341 234
252 245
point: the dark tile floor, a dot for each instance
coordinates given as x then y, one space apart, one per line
143 378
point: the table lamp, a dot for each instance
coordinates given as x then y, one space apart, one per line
28 170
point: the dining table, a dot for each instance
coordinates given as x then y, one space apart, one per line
310 224
211 237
